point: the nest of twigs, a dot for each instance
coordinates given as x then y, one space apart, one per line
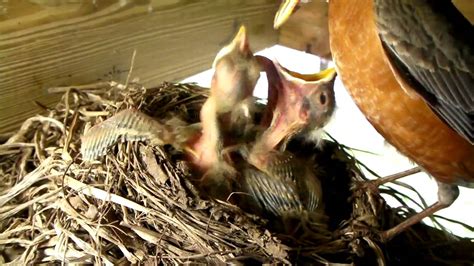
139 204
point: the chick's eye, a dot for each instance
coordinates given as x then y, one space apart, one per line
322 98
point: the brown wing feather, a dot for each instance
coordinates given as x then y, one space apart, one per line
431 45
128 125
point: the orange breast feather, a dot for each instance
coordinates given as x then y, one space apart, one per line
404 119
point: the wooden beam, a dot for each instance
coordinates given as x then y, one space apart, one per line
466 7
43 44
307 29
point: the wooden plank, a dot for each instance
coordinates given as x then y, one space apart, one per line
466 7
43 44
307 29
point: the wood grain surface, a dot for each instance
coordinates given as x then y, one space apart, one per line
46 43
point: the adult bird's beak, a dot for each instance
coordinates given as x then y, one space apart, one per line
287 8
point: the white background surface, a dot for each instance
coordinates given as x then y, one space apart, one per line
348 126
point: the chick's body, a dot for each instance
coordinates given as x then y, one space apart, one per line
236 74
281 184
227 111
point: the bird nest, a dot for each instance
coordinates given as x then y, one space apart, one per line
139 204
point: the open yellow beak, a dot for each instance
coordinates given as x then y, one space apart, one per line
287 8
322 76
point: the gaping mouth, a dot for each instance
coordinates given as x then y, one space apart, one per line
319 77
287 8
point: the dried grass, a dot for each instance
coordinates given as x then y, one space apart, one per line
138 204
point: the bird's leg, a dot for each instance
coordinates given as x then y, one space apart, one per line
375 183
390 178
447 194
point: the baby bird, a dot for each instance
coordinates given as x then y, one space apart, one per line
235 77
227 114
228 107
281 184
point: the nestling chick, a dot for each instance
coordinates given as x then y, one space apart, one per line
228 108
280 183
236 72
227 114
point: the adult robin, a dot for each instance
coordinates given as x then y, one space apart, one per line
408 66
